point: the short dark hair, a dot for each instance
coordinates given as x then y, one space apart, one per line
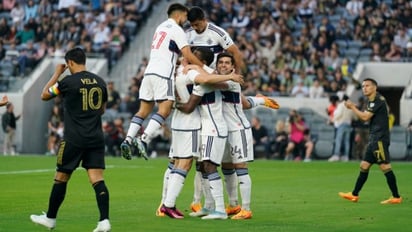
206 54
195 13
176 7
76 55
226 54
371 80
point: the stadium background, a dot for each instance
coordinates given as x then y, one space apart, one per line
139 18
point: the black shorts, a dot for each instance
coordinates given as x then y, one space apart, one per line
377 152
69 157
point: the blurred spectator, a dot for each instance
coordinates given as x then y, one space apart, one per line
17 14
333 102
56 117
393 54
9 127
300 90
299 139
114 135
401 39
342 121
9 4
113 98
30 10
316 90
361 132
131 100
280 141
354 7
260 136
343 30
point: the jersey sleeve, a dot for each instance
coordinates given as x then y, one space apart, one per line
180 38
374 106
192 74
225 40
198 90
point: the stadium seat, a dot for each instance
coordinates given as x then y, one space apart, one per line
398 148
355 44
325 141
267 118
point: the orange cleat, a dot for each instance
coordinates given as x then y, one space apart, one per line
392 200
269 102
231 210
349 196
195 207
243 214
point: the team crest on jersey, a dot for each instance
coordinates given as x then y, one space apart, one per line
371 105
209 41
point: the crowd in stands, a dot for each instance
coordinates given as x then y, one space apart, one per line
296 48
309 48
33 29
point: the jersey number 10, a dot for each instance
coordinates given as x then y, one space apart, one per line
88 98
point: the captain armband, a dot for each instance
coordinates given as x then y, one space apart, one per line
54 90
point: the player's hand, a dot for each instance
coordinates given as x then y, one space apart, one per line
4 100
237 78
60 68
349 104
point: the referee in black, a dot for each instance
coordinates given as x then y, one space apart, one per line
84 97
379 138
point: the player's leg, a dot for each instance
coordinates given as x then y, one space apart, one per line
386 167
196 204
68 160
231 182
240 161
212 154
93 161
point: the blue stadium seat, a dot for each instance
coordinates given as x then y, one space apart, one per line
398 148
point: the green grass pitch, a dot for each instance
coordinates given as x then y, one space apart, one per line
286 196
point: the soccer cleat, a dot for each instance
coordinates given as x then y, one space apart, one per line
43 220
159 213
126 150
269 102
103 226
243 214
141 148
392 200
200 213
195 206
231 210
215 215
349 196
171 212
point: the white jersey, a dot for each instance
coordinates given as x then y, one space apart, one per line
232 108
213 122
184 86
215 38
168 39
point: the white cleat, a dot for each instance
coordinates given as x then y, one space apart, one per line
43 220
202 212
103 226
215 215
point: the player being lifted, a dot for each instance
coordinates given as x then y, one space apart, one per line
169 41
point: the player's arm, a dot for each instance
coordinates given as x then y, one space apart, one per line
50 90
205 78
4 100
188 107
190 57
240 64
362 115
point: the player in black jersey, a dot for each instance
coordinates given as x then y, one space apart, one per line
84 97
379 138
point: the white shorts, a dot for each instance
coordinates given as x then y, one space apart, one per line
239 147
154 88
185 144
212 148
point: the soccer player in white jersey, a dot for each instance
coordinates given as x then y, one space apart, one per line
205 34
186 127
240 144
169 41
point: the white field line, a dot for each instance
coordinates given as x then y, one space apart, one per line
53 170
